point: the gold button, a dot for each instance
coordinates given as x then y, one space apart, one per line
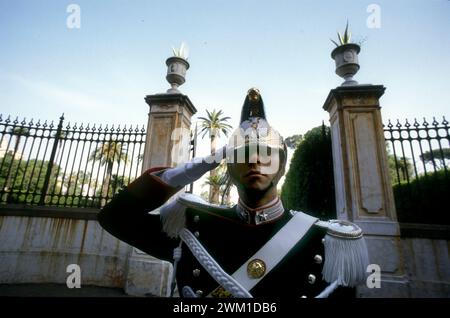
256 268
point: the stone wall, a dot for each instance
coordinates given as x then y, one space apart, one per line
38 243
418 267
39 249
427 264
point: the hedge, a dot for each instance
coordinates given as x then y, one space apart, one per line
309 183
425 200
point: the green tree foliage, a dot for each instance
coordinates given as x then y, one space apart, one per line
19 132
293 141
23 181
404 166
404 169
108 153
26 181
220 182
116 183
309 184
214 124
436 157
18 177
77 183
424 199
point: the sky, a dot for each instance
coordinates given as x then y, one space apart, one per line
101 72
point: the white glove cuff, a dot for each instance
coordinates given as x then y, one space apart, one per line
187 173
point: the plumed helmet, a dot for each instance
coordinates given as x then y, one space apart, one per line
255 131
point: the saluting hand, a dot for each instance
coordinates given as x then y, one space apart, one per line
191 171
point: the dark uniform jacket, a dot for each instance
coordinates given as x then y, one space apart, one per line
229 240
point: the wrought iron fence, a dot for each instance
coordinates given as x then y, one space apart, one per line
417 150
66 165
419 162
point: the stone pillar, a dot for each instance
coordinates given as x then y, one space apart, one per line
168 113
363 189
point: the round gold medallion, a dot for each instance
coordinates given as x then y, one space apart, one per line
256 268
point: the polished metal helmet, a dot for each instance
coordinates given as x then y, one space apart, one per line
255 133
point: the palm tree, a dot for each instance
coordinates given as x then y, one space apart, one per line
293 141
19 132
214 124
436 157
225 185
226 192
402 164
62 136
221 184
76 182
118 182
214 182
108 153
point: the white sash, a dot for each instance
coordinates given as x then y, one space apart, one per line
276 248
271 253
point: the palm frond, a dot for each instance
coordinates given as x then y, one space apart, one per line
205 132
344 38
340 38
334 42
346 33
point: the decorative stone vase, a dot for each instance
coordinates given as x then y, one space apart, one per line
346 58
176 72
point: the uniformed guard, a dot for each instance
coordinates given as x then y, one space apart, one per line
255 248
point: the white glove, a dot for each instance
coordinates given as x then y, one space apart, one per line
191 171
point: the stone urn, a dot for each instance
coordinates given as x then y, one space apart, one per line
346 58
176 72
